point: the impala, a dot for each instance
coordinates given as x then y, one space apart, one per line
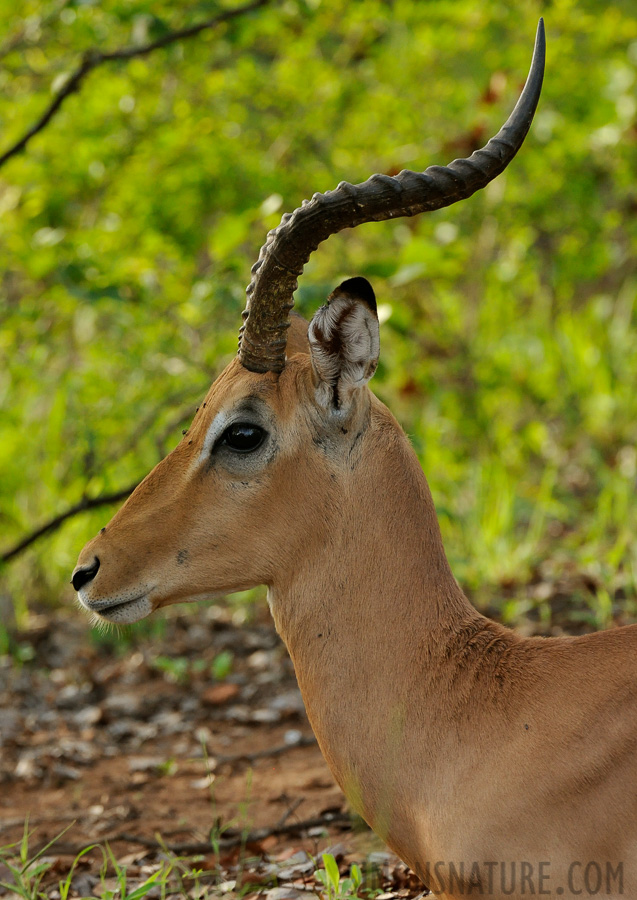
491 763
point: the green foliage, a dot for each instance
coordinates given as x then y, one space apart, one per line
118 887
175 668
27 870
222 665
180 669
337 888
169 875
129 226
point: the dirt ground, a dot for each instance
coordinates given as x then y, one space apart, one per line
195 738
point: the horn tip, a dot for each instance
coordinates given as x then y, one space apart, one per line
540 37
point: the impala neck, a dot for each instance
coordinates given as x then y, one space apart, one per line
369 621
381 566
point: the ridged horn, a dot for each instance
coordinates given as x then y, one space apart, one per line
288 247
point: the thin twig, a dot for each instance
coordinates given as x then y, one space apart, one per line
94 58
185 414
55 818
221 760
292 808
234 837
84 504
148 422
103 499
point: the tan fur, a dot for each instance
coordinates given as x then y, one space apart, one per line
458 740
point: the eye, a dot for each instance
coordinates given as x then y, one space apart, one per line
243 437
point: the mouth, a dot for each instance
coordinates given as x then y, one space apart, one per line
120 612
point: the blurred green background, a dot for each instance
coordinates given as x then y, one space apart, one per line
509 351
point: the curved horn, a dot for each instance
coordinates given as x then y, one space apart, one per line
287 248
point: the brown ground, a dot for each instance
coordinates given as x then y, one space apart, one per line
126 746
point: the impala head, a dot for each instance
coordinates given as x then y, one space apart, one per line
266 464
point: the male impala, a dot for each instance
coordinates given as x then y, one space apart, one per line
491 763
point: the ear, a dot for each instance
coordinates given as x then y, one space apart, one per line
344 342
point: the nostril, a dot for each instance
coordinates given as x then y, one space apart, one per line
85 574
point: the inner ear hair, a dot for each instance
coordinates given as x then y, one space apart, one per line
344 342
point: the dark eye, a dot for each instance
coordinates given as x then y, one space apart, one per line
243 437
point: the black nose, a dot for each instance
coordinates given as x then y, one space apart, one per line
85 574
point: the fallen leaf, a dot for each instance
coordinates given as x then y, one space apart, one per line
219 694
145 763
285 893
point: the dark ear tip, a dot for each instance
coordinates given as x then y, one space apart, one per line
360 289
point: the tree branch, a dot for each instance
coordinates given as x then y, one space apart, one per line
235 837
221 760
103 499
84 504
231 837
94 58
